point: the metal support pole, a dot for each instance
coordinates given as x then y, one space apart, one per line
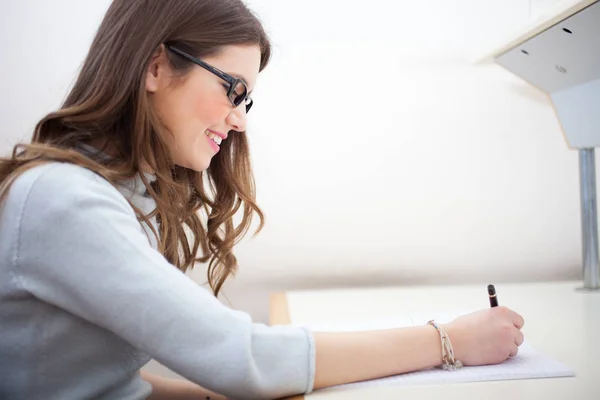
589 219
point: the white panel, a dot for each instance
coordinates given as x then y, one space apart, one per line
577 109
564 61
556 59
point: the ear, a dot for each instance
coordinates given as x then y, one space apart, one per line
157 75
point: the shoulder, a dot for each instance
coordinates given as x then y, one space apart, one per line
58 175
59 185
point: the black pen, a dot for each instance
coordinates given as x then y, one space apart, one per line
493 298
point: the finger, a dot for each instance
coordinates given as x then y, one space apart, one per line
518 320
514 351
520 338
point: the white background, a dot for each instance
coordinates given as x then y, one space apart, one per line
382 154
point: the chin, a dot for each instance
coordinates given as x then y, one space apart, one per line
199 165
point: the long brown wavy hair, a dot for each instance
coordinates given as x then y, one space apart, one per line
108 104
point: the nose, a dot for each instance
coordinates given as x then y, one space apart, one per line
237 118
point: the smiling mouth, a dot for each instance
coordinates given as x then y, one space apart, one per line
215 138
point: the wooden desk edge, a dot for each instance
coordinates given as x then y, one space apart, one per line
279 314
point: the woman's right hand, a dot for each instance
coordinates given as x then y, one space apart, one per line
488 336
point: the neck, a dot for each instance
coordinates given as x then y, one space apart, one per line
109 149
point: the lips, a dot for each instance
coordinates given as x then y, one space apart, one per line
213 141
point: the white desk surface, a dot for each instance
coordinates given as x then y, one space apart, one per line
559 12
559 321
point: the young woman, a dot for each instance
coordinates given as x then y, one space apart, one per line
134 179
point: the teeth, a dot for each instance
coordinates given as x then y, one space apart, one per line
214 137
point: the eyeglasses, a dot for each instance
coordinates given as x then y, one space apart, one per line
237 90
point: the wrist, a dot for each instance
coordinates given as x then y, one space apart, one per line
455 338
433 340
450 360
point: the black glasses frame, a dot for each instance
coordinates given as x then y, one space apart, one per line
234 98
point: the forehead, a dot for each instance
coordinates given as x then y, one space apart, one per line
240 61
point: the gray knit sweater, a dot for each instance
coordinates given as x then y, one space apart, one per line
86 300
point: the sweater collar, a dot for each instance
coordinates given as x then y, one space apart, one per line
134 185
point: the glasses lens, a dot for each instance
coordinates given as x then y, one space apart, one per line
238 94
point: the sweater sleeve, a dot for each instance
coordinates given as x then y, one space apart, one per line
80 247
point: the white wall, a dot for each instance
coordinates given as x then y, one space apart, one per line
453 173
381 154
539 8
44 43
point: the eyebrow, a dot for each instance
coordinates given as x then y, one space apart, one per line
242 78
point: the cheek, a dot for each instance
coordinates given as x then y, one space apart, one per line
188 111
194 107
207 109
205 102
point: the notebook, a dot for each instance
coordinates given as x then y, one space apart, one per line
528 364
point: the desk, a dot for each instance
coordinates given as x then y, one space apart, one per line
559 321
556 14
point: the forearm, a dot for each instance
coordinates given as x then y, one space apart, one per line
345 357
176 389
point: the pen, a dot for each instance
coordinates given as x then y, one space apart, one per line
493 298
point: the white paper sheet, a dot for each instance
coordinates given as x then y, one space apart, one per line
528 364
